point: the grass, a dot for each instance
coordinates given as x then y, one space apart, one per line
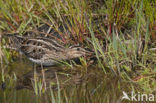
121 33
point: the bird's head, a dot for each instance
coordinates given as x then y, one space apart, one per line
77 51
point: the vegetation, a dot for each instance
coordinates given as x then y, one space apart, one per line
121 33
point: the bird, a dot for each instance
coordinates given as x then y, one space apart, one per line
45 51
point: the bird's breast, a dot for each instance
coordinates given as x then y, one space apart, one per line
43 62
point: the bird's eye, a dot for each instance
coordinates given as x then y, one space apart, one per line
78 49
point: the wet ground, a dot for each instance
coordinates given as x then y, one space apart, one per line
33 84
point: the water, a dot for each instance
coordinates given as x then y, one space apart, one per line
25 83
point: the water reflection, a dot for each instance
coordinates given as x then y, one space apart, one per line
50 76
91 85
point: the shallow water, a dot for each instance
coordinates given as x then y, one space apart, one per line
60 84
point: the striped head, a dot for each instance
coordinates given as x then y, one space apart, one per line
13 41
77 51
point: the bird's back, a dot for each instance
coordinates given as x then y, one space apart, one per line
37 49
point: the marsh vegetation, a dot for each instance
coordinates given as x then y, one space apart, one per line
122 35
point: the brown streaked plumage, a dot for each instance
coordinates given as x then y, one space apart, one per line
45 51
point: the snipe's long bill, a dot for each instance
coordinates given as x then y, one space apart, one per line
45 51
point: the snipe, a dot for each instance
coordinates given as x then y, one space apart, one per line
45 51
